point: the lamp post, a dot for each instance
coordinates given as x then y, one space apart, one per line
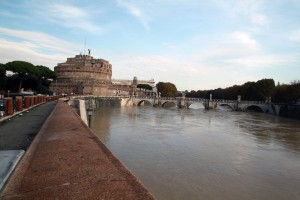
90 113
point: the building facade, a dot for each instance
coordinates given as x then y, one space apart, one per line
82 75
122 87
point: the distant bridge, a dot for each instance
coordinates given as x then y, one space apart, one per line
182 102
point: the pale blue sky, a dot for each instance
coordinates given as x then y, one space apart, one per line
195 44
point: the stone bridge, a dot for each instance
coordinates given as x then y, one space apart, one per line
181 102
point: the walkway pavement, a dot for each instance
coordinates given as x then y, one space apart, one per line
18 131
66 161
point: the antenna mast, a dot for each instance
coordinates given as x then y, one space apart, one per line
84 46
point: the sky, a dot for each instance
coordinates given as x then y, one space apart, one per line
195 44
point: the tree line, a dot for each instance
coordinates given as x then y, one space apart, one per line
167 89
250 91
25 75
254 91
37 78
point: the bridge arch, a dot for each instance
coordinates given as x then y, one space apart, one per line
226 105
196 105
255 108
144 102
168 104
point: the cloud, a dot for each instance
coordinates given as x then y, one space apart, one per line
39 39
244 39
242 7
61 14
24 51
69 16
261 61
295 35
135 11
230 59
249 8
35 47
259 19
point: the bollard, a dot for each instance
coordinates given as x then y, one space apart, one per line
19 103
31 101
9 109
27 102
35 100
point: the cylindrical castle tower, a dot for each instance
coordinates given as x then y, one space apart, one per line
83 75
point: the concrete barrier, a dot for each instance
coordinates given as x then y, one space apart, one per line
82 111
31 101
8 102
27 102
19 104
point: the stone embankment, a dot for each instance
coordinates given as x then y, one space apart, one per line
290 111
66 161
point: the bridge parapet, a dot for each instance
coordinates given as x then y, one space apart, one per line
183 102
254 102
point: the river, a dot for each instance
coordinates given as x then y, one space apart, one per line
205 154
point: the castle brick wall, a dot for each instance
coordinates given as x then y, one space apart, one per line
82 75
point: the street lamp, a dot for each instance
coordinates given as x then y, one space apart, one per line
90 113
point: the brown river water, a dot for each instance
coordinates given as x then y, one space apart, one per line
205 154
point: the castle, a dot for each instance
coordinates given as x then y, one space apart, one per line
82 75
85 75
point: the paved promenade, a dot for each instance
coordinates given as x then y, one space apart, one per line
18 131
66 161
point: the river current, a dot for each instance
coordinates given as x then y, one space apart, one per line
205 154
